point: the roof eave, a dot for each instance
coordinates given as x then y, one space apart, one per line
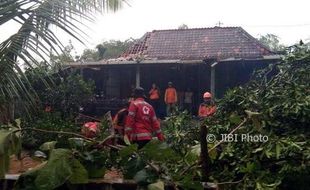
265 57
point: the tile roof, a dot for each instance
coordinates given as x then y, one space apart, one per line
198 44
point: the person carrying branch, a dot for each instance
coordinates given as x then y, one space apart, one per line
141 121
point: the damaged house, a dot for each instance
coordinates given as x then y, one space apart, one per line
201 59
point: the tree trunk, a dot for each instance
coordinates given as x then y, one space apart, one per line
204 155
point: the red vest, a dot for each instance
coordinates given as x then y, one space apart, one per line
141 121
154 94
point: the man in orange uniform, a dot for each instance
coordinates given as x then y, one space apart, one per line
154 97
207 108
141 121
171 98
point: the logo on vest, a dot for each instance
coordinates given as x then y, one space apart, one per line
146 110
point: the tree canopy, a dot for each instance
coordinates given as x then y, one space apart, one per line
272 42
107 50
35 37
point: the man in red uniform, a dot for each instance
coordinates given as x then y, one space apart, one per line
141 121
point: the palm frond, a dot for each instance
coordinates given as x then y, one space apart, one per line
35 39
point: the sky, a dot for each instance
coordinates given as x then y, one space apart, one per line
287 19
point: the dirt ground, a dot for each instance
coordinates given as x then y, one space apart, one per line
17 167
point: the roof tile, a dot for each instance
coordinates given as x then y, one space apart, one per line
199 43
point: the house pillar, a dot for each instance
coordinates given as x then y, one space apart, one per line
212 81
137 75
81 71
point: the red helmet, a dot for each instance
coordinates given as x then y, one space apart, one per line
207 95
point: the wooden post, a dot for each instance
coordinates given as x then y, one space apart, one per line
138 75
204 153
82 72
212 85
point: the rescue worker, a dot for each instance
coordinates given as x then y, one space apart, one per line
171 98
207 108
154 97
120 118
90 129
141 121
188 100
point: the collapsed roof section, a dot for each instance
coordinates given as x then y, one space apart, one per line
198 44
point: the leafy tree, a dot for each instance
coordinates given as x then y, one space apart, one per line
272 42
64 93
35 37
275 104
101 50
56 61
90 55
183 26
107 50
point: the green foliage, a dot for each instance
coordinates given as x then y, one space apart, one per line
57 61
272 42
276 103
61 167
158 151
154 161
181 132
159 185
10 143
107 50
50 122
63 93
95 162
74 92
188 183
183 26
34 38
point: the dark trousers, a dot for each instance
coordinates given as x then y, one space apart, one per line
155 103
141 144
170 109
188 107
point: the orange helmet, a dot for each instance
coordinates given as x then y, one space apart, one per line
207 95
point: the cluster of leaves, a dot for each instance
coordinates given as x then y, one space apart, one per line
107 50
272 42
80 161
73 161
181 132
57 61
35 37
278 98
64 92
10 143
49 122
